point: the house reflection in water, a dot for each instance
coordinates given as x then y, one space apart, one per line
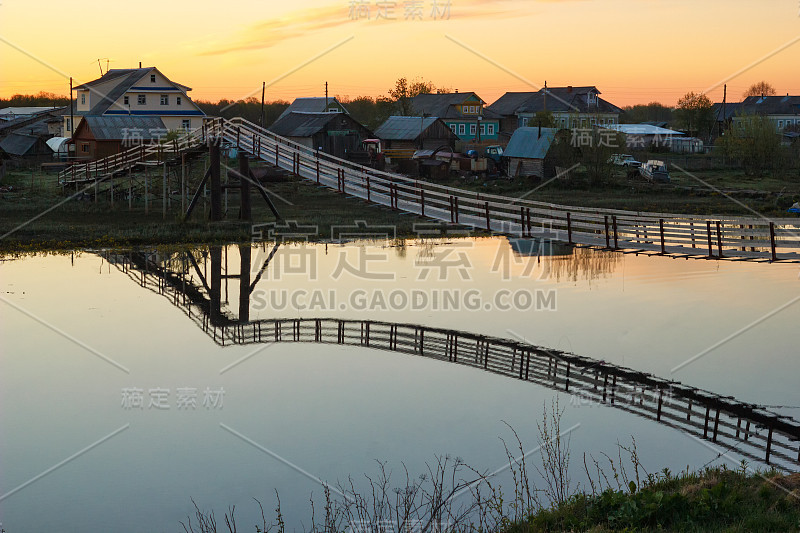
567 262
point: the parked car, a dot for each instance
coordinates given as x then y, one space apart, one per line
624 160
655 170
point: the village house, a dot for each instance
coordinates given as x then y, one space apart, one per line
314 104
332 133
137 92
99 137
783 111
464 113
571 107
406 133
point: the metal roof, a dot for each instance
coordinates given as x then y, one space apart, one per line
444 105
118 128
8 113
527 143
301 124
640 129
510 102
18 143
404 128
312 104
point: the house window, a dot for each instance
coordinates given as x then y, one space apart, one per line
453 127
611 121
164 99
126 100
186 124
152 78
69 125
178 100
472 129
780 124
141 99
490 129
83 98
462 130
85 148
523 121
483 130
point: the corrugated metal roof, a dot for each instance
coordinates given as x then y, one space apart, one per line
640 129
404 128
118 128
301 124
18 143
526 143
510 102
311 104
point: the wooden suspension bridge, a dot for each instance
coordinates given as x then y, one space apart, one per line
724 237
750 430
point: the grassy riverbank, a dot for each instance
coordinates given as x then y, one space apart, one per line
31 221
84 223
712 500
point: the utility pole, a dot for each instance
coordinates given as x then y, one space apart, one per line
71 115
261 118
724 97
545 96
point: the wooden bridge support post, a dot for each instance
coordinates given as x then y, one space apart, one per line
215 294
569 228
183 183
772 240
245 211
216 185
245 255
164 190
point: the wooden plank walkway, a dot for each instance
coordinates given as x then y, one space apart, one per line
660 233
750 430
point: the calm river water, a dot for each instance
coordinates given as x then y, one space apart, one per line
117 408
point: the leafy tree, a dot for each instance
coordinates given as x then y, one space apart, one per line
762 88
652 112
543 119
404 91
695 113
368 111
755 143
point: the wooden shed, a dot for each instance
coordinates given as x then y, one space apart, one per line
527 150
413 133
332 133
97 137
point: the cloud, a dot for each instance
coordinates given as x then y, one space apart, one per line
269 32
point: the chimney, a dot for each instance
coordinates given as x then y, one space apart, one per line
140 64
456 91
569 88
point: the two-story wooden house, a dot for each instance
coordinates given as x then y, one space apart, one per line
464 113
136 92
570 107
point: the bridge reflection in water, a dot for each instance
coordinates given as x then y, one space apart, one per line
748 429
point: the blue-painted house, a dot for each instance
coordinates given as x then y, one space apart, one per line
464 113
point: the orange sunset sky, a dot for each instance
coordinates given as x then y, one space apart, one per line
634 51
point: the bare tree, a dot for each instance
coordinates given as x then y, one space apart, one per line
762 88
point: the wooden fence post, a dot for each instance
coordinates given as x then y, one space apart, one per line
488 220
719 239
614 226
772 240
661 229
422 200
605 223
569 228
708 231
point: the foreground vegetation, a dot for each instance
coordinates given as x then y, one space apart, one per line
619 495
